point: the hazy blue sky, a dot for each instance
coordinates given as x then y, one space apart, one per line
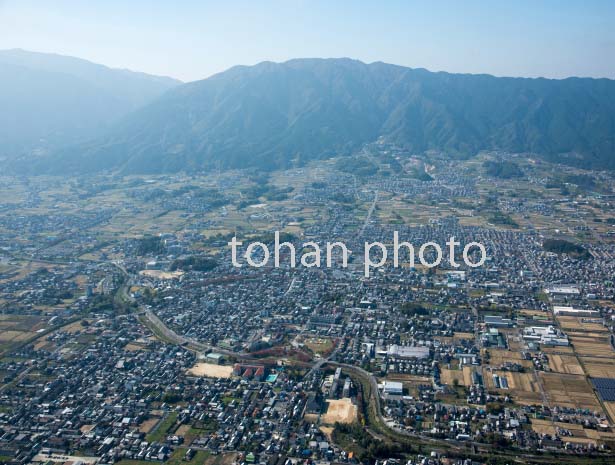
194 39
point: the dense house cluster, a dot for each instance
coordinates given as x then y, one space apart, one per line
119 351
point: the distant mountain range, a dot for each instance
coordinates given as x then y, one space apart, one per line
50 101
273 115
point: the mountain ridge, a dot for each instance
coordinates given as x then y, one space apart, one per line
274 115
50 61
52 101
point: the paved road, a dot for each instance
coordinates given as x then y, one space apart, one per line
157 326
290 287
369 213
160 329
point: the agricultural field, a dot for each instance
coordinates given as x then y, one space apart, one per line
599 367
15 329
579 434
569 391
524 388
463 377
567 364
571 323
591 345
498 357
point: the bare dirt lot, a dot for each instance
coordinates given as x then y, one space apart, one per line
211 370
340 411
161 274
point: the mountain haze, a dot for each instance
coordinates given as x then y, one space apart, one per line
273 115
50 101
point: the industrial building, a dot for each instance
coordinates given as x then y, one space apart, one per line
393 388
570 311
407 352
545 335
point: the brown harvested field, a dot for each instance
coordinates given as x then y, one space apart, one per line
579 434
530 312
410 380
463 376
602 360
472 221
590 336
14 336
548 427
580 324
449 376
182 430
75 327
27 323
598 367
610 410
466 336
569 391
43 344
523 387
567 364
498 357
557 350
130 347
340 411
211 370
148 425
607 437
467 374
588 346
515 343
543 426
